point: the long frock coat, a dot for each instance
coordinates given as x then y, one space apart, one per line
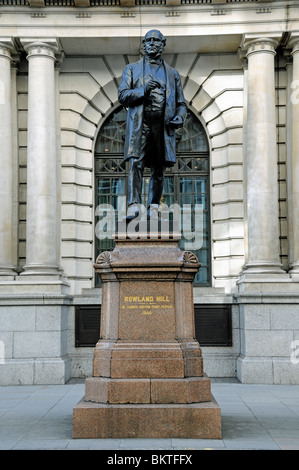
131 96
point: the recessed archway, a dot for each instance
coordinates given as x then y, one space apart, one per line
185 184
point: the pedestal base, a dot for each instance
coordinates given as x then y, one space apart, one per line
148 379
189 421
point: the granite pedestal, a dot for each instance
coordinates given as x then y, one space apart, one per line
148 379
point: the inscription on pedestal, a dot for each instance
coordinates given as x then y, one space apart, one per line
146 304
147 311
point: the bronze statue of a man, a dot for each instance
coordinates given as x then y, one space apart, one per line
152 92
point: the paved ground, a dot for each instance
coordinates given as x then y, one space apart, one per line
254 417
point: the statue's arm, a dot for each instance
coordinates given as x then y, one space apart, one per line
127 95
181 107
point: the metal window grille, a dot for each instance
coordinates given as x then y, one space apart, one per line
213 325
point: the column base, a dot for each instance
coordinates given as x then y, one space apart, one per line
294 272
263 268
264 277
189 421
41 270
7 272
28 285
260 285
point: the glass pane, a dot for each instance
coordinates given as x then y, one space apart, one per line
205 240
192 136
202 277
185 185
168 187
200 185
111 137
104 186
186 199
168 192
118 186
203 256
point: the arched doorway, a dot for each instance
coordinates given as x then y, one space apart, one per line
187 183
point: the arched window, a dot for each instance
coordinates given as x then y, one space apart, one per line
187 183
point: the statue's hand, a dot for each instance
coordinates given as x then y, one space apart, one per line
151 85
176 122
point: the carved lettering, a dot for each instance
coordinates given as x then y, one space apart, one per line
146 303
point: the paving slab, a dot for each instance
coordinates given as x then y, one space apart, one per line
254 417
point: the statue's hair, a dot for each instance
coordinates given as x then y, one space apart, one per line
163 38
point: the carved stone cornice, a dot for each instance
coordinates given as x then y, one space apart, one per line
129 3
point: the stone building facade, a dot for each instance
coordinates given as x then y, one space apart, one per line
60 66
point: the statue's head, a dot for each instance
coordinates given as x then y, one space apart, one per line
153 43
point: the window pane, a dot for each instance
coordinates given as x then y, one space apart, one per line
202 277
168 187
200 185
185 185
104 186
118 186
111 138
186 199
192 137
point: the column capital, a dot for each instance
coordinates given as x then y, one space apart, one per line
41 47
251 44
5 51
7 48
293 43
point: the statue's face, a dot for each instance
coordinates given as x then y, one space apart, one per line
153 44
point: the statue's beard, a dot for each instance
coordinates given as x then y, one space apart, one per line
155 53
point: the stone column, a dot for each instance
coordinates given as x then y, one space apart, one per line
294 174
41 228
6 174
261 168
